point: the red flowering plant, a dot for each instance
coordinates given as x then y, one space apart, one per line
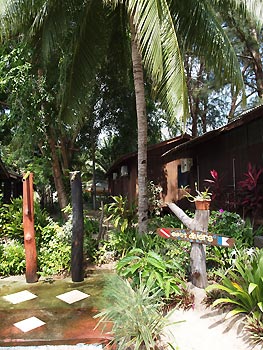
250 191
217 188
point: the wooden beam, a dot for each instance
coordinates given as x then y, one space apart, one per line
29 232
77 227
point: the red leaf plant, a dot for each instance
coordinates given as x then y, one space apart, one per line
250 191
215 184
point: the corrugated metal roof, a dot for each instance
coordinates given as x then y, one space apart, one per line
150 148
242 119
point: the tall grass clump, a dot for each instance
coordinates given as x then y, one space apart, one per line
135 314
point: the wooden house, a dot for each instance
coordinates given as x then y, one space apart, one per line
122 176
10 183
184 161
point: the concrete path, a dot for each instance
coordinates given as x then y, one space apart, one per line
51 313
56 347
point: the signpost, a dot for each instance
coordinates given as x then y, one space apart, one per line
195 236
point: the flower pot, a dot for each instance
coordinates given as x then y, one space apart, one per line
202 205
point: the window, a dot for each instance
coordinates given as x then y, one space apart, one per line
183 178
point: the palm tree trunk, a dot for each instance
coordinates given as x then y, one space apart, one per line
142 132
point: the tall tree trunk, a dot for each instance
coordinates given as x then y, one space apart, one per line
57 174
94 191
142 131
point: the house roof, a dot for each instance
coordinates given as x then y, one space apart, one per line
3 171
242 119
171 142
6 174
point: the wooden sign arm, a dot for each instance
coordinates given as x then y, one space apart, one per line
184 218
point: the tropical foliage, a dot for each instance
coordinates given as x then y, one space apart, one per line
154 271
243 285
136 313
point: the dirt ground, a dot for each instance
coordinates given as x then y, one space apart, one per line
205 328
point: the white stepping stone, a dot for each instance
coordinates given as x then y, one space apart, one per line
73 296
19 297
29 323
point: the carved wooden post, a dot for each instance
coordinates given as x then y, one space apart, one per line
197 255
77 227
29 232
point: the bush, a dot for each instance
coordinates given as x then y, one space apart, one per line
54 258
53 245
243 285
12 257
230 224
11 218
54 250
153 271
136 314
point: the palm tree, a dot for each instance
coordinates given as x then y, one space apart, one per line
154 26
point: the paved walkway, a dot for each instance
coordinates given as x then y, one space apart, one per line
56 347
50 314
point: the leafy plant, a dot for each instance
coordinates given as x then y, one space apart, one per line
250 193
155 203
120 213
215 184
12 257
153 270
11 218
200 195
54 258
243 285
228 224
254 327
164 221
54 252
135 314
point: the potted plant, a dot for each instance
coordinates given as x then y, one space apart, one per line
202 199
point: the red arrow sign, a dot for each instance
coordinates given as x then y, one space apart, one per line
163 232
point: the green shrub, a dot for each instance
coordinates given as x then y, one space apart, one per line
135 313
155 202
120 213
254 327
228 224
153 271
91 230
54 250
54 258
119 243
243 284
164 221
11 219
12 257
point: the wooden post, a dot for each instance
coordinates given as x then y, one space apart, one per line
197 255
77 227
29 232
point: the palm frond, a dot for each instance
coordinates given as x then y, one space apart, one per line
161 55
87 46
201 32
245 8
